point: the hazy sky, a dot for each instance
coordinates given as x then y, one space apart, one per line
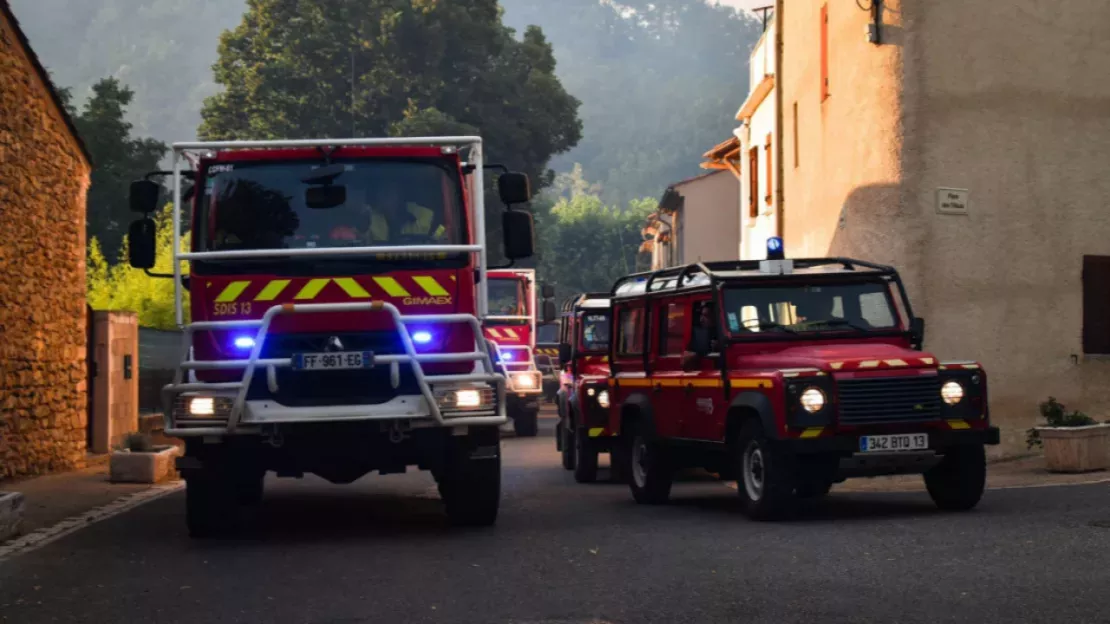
746 4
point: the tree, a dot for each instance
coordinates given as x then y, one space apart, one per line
587 244
120 287
332 68
118 158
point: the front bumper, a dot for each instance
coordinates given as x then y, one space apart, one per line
848 444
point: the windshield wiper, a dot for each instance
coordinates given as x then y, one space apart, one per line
771 325
841 323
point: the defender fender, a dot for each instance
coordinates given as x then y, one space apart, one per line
640 405
760 405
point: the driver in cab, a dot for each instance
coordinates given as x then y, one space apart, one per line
387 218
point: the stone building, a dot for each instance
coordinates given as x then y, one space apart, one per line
966 144
44 176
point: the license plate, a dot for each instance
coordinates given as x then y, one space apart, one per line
897 442
342 360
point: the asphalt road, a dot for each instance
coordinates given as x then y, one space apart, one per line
380 551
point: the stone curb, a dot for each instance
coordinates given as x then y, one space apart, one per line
11 514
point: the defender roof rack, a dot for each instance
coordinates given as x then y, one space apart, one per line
598 300
705 274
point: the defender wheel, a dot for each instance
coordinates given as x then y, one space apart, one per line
212 507
765 474
567 446
526 423
585 454
958 481
650 469
471 482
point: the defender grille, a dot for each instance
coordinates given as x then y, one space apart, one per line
889 399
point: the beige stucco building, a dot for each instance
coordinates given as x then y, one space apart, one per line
696 222
969 146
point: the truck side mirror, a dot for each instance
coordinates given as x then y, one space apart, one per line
564 354
514 188
547 291
548 311
143 196
917 332
140 244
519 233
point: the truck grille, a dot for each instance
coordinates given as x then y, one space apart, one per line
351 387
889 399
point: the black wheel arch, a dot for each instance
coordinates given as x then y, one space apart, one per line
746 405
637 408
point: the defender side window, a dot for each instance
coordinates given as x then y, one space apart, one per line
672 329
630 336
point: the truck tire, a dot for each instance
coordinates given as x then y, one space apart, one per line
585 456
651 469
526 422
958 481
470 482
212 507
566 446
765 474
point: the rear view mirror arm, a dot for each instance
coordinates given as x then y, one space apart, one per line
184 278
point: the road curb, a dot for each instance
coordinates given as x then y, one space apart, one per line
11 514
42 537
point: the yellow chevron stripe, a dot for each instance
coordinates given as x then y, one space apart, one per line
812 432
272 290
958 424
493 332
430 286
232 291
596 431
896 363
312 288
392 287
511 333
837 365
353 289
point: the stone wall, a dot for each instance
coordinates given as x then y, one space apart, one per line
43 180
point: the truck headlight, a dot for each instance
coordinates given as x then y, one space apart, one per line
952 392
813 399
202 406
524 380
603 399
186 406
468 399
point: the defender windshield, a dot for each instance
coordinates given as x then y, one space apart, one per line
852 307
308 204
506 297
595 331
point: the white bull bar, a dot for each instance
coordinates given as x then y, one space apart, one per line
242 407
526 364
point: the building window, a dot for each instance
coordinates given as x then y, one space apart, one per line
770 170
795 135
1096 304
753 182
672 330
630 340
824 52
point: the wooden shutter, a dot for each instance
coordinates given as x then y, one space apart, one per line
1096 304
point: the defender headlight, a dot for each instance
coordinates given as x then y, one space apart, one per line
813 399
952 392
603 399
524 380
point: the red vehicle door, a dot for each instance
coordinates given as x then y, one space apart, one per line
629 347
704 405
668 378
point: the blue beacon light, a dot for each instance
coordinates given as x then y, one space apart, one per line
244 342
775 249
421 337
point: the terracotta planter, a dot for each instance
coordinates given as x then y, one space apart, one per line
135 467
1076 449
11 515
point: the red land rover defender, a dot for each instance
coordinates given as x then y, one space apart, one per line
336 289
789 376
583 401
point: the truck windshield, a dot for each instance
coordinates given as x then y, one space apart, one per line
595 331
796 309
547 333
506 297
270 205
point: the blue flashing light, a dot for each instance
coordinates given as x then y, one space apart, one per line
244 342
775 249
422 337
507 356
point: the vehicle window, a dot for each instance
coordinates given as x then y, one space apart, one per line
866 306
506 297
595 332
547 333
630 337
672 329
266 205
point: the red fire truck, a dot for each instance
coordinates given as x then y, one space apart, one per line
511 330
789 376
583 398
336 290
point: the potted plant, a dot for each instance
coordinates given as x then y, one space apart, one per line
1072 441
137 460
